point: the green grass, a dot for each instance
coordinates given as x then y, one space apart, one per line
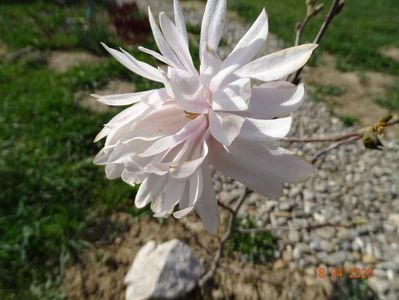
356 36
254 247
50 190
391 99
43 25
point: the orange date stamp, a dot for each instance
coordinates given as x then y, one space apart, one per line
340 272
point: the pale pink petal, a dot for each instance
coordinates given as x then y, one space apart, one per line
149 188
188 91
189 167
210 66
216 26
206 206
170 141
275 128
261 169
225 126
234 97
179 20
161 42
275 99
157 56
278 64
154 96
138 67
176 42
206 23
250 43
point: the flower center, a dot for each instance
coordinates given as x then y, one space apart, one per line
191 115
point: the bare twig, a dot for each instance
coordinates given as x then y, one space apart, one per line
379 128
335 138
334 146
335 9
230 229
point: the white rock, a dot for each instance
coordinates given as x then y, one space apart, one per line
166 271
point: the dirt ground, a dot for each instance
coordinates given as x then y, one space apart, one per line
100 272
358 90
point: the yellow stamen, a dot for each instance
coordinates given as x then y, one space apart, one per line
191 115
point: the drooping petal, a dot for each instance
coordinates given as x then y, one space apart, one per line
149 188
138 67
261 169
225 126
250 43
179 20
275 128
278 64
234 97
206 206
275 99
189 167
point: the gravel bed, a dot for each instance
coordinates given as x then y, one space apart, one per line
352 187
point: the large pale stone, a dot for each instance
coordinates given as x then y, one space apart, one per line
166 271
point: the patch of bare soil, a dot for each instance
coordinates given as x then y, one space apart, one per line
117 239
113 87
358 90
62 61
391 52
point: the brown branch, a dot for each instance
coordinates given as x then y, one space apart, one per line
335 9
334 146
230 229
335 138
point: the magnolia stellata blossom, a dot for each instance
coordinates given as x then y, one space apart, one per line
168 138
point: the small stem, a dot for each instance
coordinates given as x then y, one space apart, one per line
300 29
335 8
334 146
230 229
335 138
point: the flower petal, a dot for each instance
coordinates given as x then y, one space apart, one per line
170 141
278 64
157 56
234 97
275 128
176 42
138 67
206 206
250 43
179 20
149 188
261 169
225 127
155 96
161 42
188 91
275 99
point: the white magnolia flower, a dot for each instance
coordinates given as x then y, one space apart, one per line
168 138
